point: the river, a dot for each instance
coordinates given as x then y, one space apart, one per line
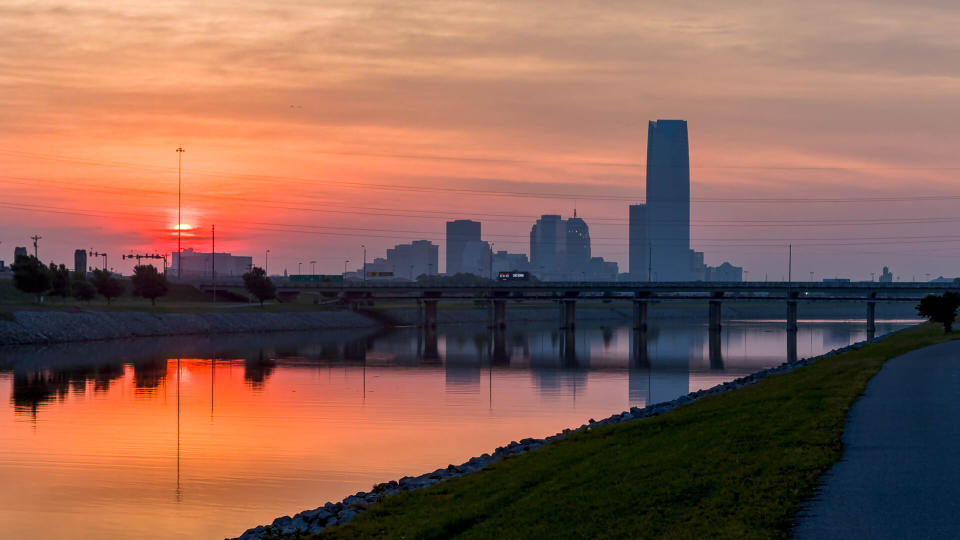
205 437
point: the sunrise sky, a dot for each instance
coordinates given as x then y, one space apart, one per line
311 128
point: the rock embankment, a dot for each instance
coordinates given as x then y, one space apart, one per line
336 513
41 327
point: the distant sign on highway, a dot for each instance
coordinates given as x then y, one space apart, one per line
315 278
513 276
379 274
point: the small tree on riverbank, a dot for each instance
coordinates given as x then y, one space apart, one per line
107 285
259 285
59 281
149 283
83 290
31 276
941 309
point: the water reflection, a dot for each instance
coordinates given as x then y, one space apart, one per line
216 434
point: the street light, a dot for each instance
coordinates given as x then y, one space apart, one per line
299 266
180 151
345 269
313 267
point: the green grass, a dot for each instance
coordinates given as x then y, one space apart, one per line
735 465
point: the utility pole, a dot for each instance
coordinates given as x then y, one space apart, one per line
213 260
266 263
180 151
35 250
790 263
365 263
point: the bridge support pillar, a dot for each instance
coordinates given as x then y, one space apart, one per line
715 349
792 313
792 345
715 311
500 314
640 315
568 313
430 313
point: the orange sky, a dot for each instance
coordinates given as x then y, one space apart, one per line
312 129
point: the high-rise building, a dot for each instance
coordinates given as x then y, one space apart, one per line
413 259
668 200
477 258
548 244
459 232
19 251
639 247
578 244
80 261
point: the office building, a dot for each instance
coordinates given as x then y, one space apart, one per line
577 243
476 258
459 233
510 262
668 200
201 265
548 244
413 259
639 248
80 261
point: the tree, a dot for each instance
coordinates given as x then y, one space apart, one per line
259 285
59 281
31 276
941 309
149 283
83 290
107 285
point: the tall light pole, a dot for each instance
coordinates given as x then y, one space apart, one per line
345 269
299 266
266 263
364 263
313 267
180 152
491 260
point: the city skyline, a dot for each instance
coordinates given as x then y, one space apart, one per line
314 146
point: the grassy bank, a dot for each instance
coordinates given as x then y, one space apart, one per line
733 465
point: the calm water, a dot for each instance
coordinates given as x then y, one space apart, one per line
206 437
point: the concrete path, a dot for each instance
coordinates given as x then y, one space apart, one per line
900 472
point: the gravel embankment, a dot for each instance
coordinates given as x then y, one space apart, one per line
41 327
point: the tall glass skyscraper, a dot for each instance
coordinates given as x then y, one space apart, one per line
459 233
668 201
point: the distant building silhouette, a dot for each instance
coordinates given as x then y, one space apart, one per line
80 261
408 261
560 250
199 265
639 246
19 251
577 243
459 233
724 272
507 262
476 258
548 244
886 276
668 200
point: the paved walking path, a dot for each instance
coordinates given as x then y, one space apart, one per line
900 472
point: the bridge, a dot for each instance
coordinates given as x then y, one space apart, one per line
641 294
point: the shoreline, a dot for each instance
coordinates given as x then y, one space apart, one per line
339 512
